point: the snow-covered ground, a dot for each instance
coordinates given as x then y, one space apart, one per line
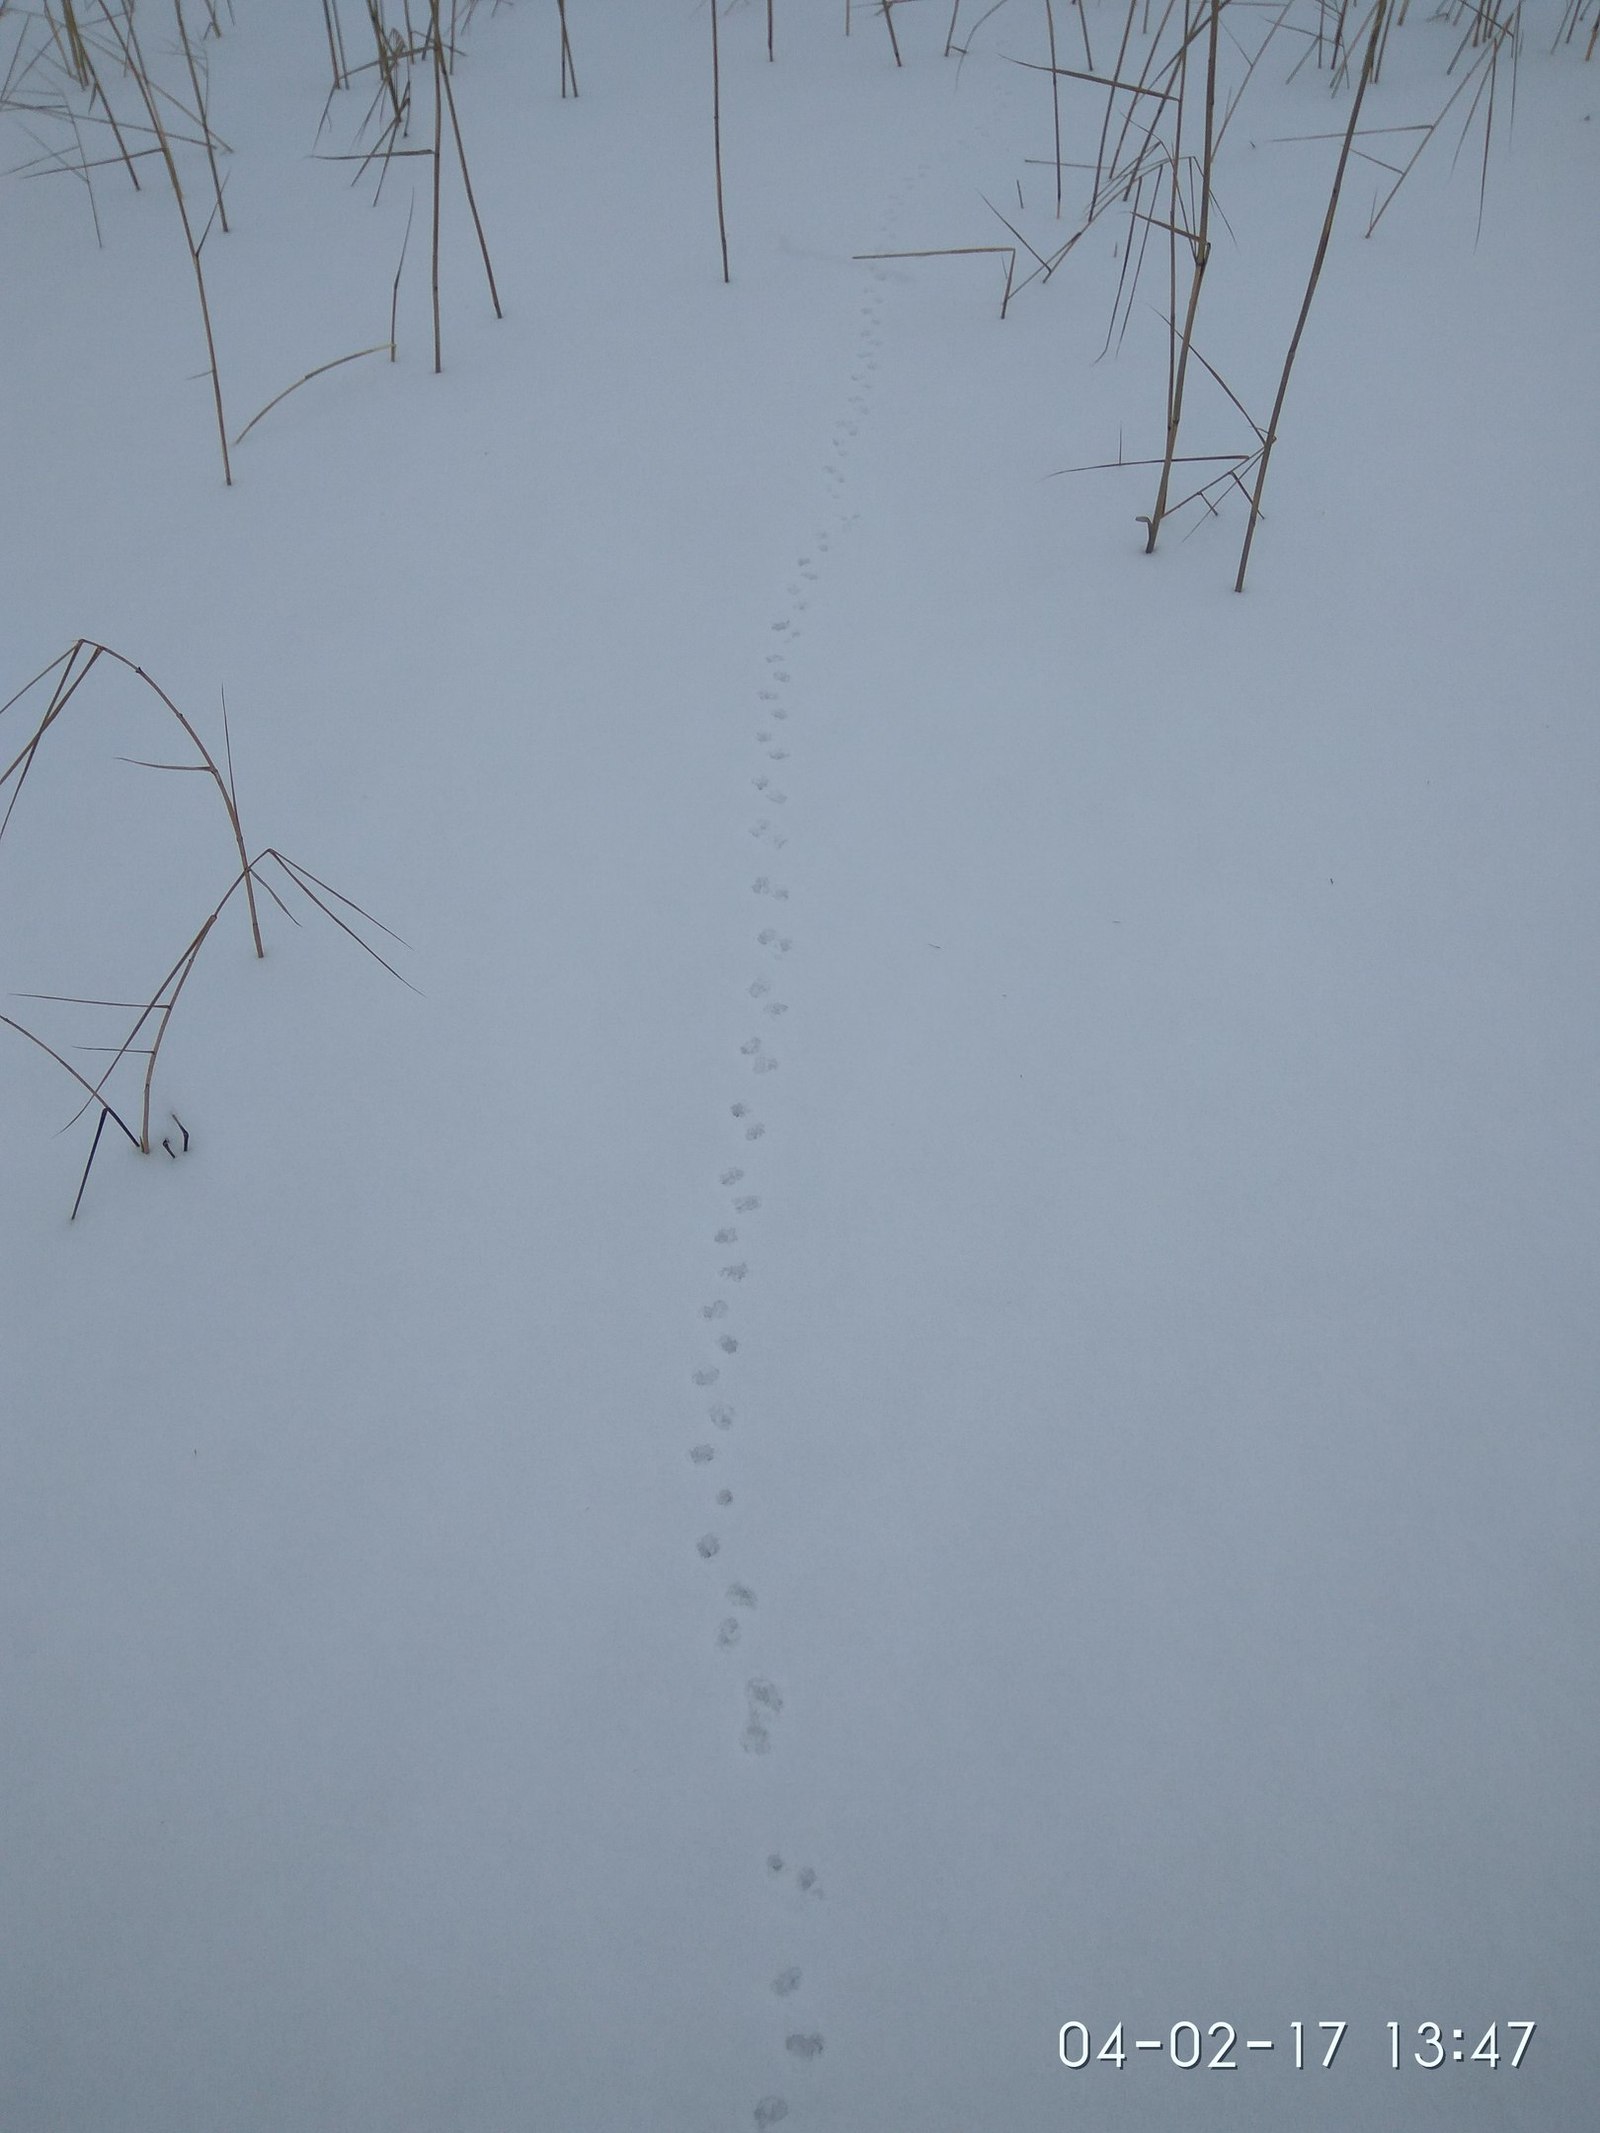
941 1377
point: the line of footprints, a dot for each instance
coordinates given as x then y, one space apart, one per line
762 1698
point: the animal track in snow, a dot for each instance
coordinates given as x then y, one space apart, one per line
805 1879
744 1205
721 1416
786 1981
770 2111
708 1545
806 2046
702 1454
741 1596
763 1702
714 1310
707 1376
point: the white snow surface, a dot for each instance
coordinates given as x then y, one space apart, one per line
1077 1089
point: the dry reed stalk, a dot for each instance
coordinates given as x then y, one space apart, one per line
466 176
1202 256
133 59
568 71
1055 96
98 90
394 293
71 679
887 7
333 45
716 136
386 70
79 59
1007 252
60 696
159 1008
438 165
107 1110
200 112
355 355
1271 435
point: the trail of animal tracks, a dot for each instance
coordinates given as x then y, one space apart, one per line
941 1382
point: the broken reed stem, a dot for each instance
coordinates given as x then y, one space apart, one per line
1271 437
1202 257
888 23
1007 252
61 695
568 71
355 355
716 136
87 1086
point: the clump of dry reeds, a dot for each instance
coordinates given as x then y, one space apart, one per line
271 871
397 53
1169 97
